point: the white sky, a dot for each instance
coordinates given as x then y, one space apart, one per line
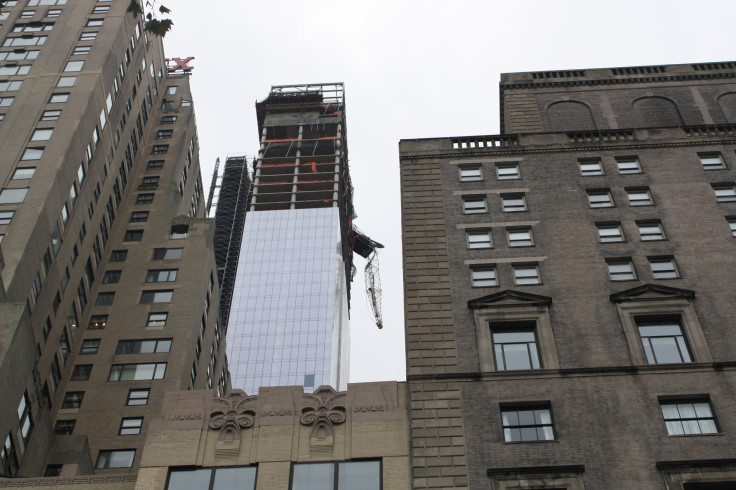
412 69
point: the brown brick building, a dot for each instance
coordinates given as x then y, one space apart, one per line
569 290
100 208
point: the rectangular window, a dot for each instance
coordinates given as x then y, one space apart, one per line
513 203
167 253
483 277
138 397
97 322
111 277
6 217
164 133
663 341
136 372
88 36
348 475
138 216
143 346
81 372
600 199
650 230
171 90
89 346
479 239
168 120
24 173
241 477
146 198
725 192
66 81
470 174
526 274
162 275
155 165
32 154
688 417
64 427
162 296
25 41
663 268
8 86
82 51
130 426
59 98
610 232
149 183
105 299
474 205
118 255
508 171
515 346
74 66
520 237
521 424
42 134
13 70
628 165
620 270
133 236
120 458
95 22
101 10
51 115
159 149
590 166
24 418
6 101
711 161
639 197
12 196
731 224
157 319
72 399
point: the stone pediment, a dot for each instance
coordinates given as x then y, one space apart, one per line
651 292
509 298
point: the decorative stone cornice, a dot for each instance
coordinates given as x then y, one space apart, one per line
651 291
504 297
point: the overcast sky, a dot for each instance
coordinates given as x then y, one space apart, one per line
412 69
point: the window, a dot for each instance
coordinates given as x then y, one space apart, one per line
483 277
639 197
242 477
133 236
164 133
162 275
610 232
600 199
74 66
146 198
12 196
507 171
157 319
155 165
120 458
474 205
101 10
168 120
72 399
24 417
42 134
479 239
650 230
25 41
138 216
97 322
6 217
51 115
521 424
663 341
162 296
24 173
621 270
167 253
711 161
14 86
590 167
118 255
81 372
731 224
19 54
6 101
111 277
59 98
105 299
35 3
513 203
347 475
82 51
67 81
32 154
13 70
64 427
143 346
171 90
7 455
515 346
520 237
526 274
470 174
725 192
150 182
88 36
663 268
159 149
138 397
94 22
136 372
688 417
89 346
130 426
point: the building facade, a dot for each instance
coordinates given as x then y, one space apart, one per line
289 313
569 323
101 204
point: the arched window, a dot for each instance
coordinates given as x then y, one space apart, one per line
570 116
656 112
728 106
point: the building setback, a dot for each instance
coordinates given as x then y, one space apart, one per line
570 325
288 319
101 205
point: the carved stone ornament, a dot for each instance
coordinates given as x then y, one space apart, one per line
231 414
324 408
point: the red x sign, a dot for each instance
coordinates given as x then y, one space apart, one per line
179 64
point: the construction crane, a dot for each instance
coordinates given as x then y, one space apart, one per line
367 248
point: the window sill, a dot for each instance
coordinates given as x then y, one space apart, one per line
531 442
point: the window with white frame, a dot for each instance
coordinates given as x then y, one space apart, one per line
621 270
639 196
138 397
732 225
663 268
590 166
130 426
663 340
711 161
160 296
610 232
650 230
471 174
515 346
725 192
508 171
513 203
527 423
600 198
474 205
483 277
13 70
520 237
526 274
688 417
479 238
628 165
134 372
